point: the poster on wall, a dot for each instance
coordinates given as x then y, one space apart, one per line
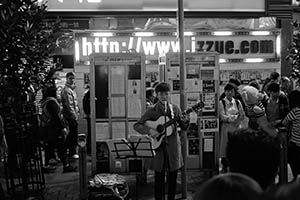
193 85
208 86
152 75
207 74
134 88
209 125
245 76
192 71
209 102
118 79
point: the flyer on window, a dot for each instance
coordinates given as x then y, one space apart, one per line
208 86
134 88
209 100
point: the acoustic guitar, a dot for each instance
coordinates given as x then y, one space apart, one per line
165 124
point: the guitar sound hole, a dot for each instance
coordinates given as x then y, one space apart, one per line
160 128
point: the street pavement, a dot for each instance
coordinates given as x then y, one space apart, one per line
65 186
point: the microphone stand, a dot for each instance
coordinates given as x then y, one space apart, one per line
165 142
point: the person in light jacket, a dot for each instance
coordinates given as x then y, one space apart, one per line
71 112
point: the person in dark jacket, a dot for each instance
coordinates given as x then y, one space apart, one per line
278 104
55 134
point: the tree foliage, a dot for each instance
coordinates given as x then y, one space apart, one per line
26 46
294 52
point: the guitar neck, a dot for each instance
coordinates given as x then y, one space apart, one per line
172 121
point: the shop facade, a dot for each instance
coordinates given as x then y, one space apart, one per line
251 38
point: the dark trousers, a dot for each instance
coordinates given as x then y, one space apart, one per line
59 144
294 158
159 185
72 136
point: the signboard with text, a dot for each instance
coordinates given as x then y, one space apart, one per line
157 5
235 46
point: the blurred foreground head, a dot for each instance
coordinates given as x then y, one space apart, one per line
255 154
230 186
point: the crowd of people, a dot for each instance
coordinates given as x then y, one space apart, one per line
59 127
252 153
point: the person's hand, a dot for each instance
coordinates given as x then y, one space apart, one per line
153 133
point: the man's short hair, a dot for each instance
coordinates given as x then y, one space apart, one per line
70 74
235 81
229 86
255 84
274 76
162 87
254 153
273 87
294 99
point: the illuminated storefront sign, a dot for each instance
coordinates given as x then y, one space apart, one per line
237 45
156 5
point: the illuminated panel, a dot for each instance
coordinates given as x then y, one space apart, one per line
156 5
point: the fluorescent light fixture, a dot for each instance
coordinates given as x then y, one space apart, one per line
254 60
77 51
260 33
103 34
188 33
222 33
143 34
278 45
222 60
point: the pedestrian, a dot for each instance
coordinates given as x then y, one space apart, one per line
56 134
237 95
150 97
286 85
231 116
292 120
71 112
168 156
277 105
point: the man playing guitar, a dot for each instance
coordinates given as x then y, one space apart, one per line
168 156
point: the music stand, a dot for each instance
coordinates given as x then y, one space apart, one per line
134 149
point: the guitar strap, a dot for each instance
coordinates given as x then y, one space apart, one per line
171 111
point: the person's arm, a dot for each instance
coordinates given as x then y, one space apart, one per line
183 120
289 118
223 116
140 126
241 116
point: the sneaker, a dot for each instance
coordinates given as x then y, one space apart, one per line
49 169
75 156
69 168
53 161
